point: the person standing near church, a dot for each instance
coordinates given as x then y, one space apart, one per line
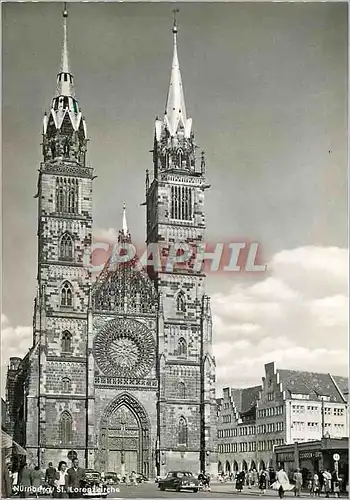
50 475
76 479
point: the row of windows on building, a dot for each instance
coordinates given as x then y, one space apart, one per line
237 447
251 446
316 426
268 428
297 409
247 430
270 412
269 444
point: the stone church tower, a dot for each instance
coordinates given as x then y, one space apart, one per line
121 372
57 380
186 408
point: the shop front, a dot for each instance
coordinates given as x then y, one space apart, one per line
315 456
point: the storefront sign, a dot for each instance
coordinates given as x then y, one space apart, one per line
304 455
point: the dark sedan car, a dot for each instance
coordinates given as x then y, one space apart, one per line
179 480
93 486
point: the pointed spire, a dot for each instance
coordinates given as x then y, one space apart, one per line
65 84
125 225
65 59
175 109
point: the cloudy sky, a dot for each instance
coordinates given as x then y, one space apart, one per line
266 86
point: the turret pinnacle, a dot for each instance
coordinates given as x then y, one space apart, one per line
174 146
125 225
65 82
124 234
175 109
64 128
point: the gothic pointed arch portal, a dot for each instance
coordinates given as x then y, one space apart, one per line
125 437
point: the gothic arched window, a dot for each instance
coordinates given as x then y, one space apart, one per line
182 347
66 385
181 203
66 247
181 390
71 200
60 202
180 154
66 342
65 428
66 295
180 302
182 432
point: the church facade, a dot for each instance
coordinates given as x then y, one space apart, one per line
121 372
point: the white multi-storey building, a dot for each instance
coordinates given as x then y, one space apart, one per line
292 407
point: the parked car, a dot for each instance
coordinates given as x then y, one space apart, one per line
179 480
93 486
140 478
112 478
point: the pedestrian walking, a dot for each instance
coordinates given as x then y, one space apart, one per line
316 487
327 482
262 482
36 479
240 480
61 481
50 475
298 482
25 481
76 479
336 483
282 484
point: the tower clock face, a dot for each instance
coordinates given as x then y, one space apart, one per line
124 348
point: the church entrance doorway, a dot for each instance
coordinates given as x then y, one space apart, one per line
125 437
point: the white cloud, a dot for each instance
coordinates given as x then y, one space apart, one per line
15 341
102 235
297 317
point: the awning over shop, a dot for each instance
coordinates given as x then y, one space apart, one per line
7 442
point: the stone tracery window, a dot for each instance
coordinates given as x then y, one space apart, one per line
67 195
66 342
182 432
66 385
65 428
181 390
66 295
182 347
180 302
181 203
66 247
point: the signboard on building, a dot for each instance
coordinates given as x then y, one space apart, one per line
305 455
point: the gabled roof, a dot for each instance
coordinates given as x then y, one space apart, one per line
245 399
309 383
343 385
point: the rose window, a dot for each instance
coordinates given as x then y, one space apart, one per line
125 352
124 348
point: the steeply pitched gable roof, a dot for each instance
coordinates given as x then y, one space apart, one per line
309 383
